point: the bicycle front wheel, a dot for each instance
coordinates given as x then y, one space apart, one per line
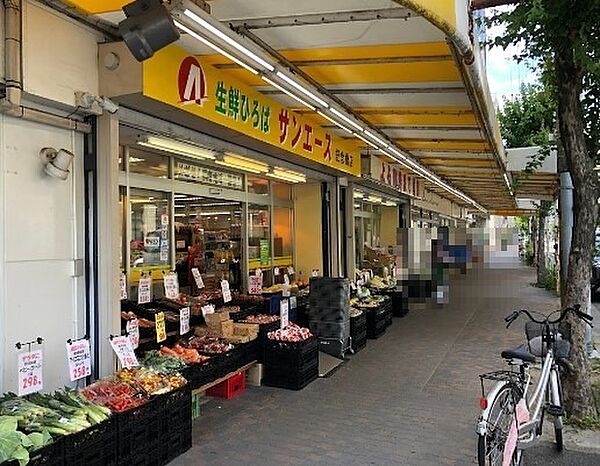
490 447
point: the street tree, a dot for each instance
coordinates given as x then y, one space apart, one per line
563 37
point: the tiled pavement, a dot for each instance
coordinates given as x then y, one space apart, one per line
409 398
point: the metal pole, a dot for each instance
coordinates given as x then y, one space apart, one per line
566 223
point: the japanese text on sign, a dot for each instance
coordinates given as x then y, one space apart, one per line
235 105
284 313
255 284
198 278
124 351
79 359
161 329
184 320
226 291
145 290
123 286
30 378
171 284
133 330
208 309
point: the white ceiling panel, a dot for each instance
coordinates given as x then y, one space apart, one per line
432 134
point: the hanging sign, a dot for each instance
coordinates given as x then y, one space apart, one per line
124 351
290 270
164 250
161 329
293 303
208 309
265 255
164 220
255 283
276 271
145 290
30 377
286 290
171 284
133 330
198 278
286 279
184 320
123 286
226 291
392 175
284 313
79 359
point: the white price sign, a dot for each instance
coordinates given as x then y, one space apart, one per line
133 330
286 290
255 284
286 279
124 351
258 272
184 320
293 302
123 285
315 273
208 309
30 378
198 278
226 291
276 271
284 313
145 290
290 270
79 359
171 283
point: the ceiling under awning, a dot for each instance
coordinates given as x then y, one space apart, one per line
405 70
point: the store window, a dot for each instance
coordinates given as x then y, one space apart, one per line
148 163
258 185
259 241
282 236
208 237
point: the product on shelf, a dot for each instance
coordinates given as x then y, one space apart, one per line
292 333
188 355
209 345
150 381
163 362
115 395
261 319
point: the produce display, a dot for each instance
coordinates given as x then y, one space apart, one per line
187 355
278 288
261 319
16 445
250 299
230 309
166 364
355 312
209 345
380 283
150 381
292 333
116 396
367 302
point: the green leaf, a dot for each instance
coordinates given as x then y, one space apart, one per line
39 439
8 423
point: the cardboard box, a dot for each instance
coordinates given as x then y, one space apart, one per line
245 329
254 375
215 317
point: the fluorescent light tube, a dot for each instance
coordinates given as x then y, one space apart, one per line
221 35
176 147
334 122
242 163
376 138
346 119
366 140
302 89
215 47
292 95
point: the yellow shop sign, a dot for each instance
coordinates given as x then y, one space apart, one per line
178 79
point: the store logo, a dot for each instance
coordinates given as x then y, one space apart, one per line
191 81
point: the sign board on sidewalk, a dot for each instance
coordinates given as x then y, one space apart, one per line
79 359
31 377
124 351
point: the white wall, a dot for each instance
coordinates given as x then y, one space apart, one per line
42 220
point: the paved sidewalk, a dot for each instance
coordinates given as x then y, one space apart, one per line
409 398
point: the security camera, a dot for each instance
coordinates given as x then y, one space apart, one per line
56 162
108 105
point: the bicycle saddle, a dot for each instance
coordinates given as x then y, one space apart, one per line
520 352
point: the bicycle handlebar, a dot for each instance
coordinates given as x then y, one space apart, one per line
575 309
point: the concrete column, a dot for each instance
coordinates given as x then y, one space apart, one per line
109 226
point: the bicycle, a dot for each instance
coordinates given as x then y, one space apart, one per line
511 419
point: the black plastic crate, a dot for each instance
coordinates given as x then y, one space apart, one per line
359 342
307 360
174 410
177 442
138 430
251 351
375 333
291 380
293 354
200 374
96 446
329 313
324 329
52 454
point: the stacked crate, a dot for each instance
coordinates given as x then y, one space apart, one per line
291 365
330 313
358 331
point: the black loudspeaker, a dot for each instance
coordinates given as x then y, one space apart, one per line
147 28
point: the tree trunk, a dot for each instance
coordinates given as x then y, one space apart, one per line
541 244
577 384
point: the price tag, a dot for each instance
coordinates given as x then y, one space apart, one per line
164 220
161 329
366 277
315 273
31 378
394 272
79 359
133 330
286 290
255 284
290 270
208 309
226 291
286 279
171 283
145 290
198 278
123 285
124 351
258 272
184 320
293 302
276 271
284 313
